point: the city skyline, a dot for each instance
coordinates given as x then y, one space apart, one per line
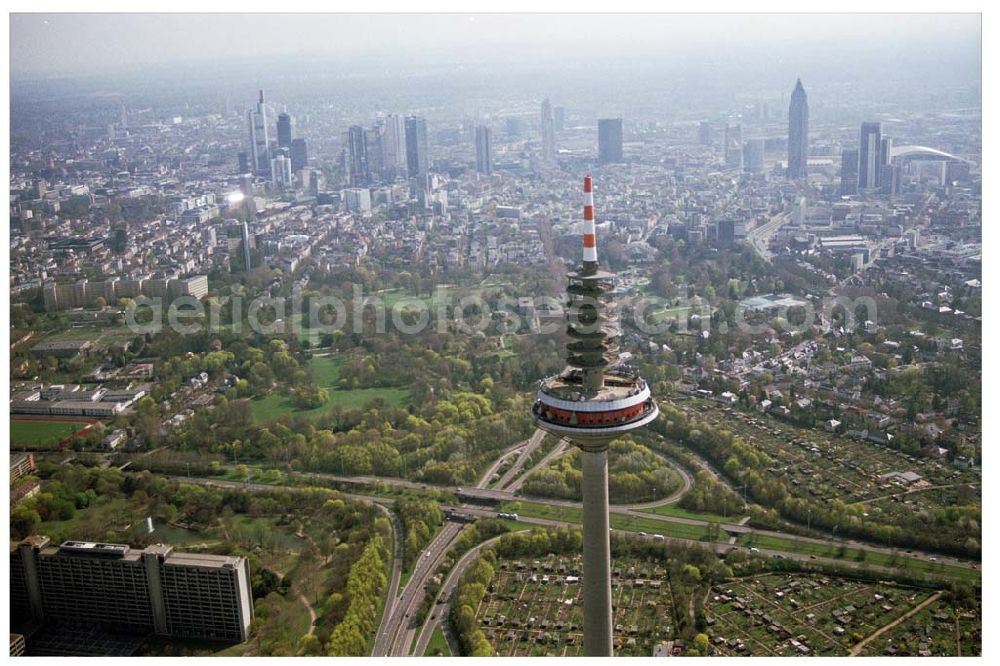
312 352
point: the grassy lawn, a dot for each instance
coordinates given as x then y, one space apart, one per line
326 370
257 475
102 334
516 525
902 561
618 521
437 645
118 521
42 433
679 313
677 512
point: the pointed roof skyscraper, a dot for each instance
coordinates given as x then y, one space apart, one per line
798 132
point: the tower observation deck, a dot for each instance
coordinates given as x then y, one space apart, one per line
592 401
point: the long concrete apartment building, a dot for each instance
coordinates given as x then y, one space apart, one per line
154 590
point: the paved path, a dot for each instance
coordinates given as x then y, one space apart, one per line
312 613
856 650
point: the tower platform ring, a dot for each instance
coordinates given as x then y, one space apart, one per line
596 438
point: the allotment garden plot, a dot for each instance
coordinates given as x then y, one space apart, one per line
534 607
822 466
796 614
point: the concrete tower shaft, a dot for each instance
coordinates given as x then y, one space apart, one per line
592 401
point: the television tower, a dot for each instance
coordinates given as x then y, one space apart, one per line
593 400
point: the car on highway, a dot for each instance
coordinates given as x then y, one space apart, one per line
427 554
754 550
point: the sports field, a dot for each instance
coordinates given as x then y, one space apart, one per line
42 434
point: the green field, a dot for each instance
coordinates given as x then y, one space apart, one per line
96 334
677 512
325 370
42 434
119 521
902 561
618 521
437 645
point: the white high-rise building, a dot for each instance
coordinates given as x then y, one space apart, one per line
393 146
358 200
281 171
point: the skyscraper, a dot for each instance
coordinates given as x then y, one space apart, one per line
260 149
705 133
548 133
285 125
885 165
245 244
484 151
373 151
869 147
300 154
281 172
416 147
559 118
357 157
610 136
393 147
798 132
848 172
595 399
753 155
733 148
513 127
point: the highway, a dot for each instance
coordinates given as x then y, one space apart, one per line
760 237
397 568
438 611
397 629
533 443
514 484
397 633
634 510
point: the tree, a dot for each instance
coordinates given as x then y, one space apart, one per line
309 646
701 644
23 521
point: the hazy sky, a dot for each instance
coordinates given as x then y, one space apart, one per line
45 45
